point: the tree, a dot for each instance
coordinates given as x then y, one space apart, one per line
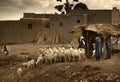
80 6
59 7
59 0
67 7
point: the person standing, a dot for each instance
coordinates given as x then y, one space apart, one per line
81 41
98 48
108 47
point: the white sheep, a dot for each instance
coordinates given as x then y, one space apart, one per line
48 55
83 54
30 63
74 54
67 55
80 55
57 55
39 59
60 54
55 50
52 55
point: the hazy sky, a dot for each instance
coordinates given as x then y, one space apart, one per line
14 9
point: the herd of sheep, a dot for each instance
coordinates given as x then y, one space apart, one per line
57 55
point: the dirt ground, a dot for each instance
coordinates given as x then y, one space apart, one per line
86 71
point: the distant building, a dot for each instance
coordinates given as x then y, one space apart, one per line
115 16
55 23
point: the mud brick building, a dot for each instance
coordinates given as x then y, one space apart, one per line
33 26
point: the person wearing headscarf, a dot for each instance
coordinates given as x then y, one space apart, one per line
98 48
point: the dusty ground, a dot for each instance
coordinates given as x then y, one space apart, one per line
87 71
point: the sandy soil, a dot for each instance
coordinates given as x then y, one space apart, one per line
87 71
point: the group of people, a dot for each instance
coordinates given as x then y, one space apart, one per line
99 43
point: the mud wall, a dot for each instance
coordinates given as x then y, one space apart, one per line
18 31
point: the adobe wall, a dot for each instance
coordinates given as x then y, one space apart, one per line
96 16
18 31
63 26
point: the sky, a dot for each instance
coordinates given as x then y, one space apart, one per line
14 9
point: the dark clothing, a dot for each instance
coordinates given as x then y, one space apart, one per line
98 48
5 51
108 48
